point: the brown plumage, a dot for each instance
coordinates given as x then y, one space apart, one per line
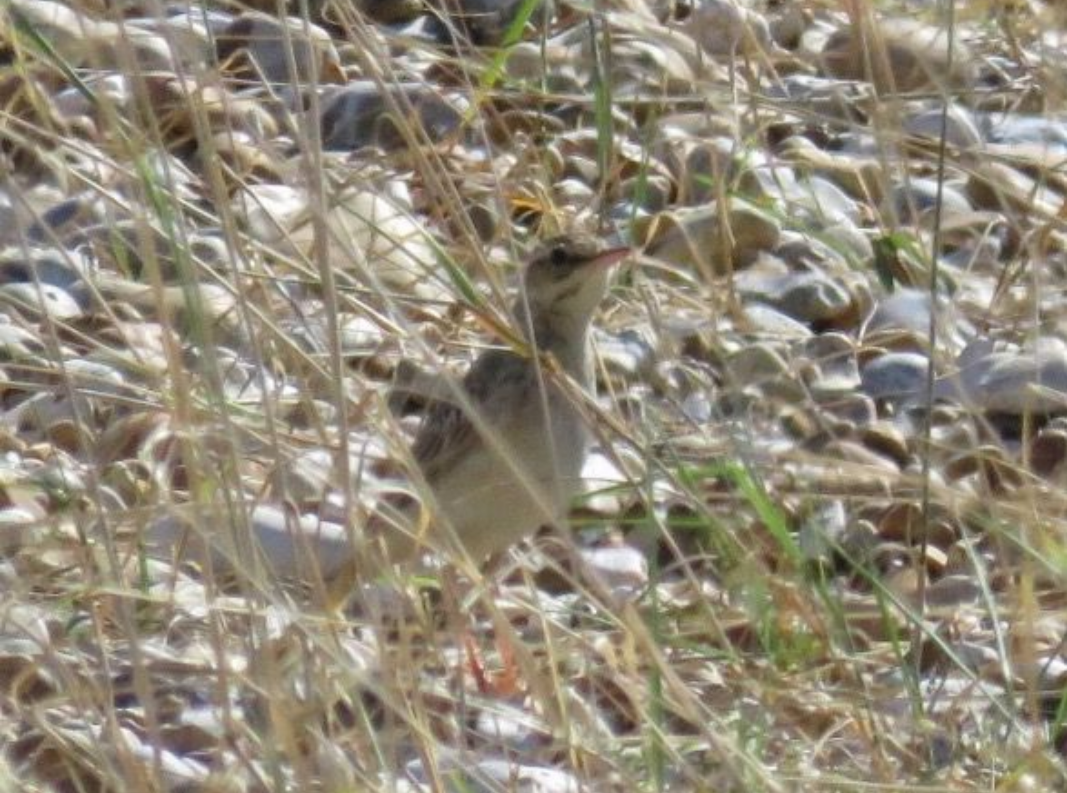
507 458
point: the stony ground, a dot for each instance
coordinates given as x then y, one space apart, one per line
823 543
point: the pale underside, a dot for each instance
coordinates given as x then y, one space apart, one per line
512 470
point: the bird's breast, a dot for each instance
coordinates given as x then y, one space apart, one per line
524 478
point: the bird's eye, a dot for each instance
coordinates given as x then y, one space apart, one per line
559 256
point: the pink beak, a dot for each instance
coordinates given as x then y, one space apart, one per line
610 256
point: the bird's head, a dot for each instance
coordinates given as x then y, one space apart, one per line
567 277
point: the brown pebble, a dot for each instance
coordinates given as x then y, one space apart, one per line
916 57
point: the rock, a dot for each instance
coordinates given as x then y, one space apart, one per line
850 454
787 24
800 423
726 28
257 47
64 221
190 304
289 545
605 484
991 468
823 530
628 353
83 41
887 440
860 177
999 187
905 309
757 364
41 299
916 199
954 591
62 269
371 234
1017 129
849 242
621 568
486 775
764 320
649 56
18 345
694 237
706 164
479 22
916 57
895 376
821 201
827 98
1013 382
960 127
834 372
813 197
852 410
361 115
189 31
978 241
811 298
1048 450
19 526
509 726
391 12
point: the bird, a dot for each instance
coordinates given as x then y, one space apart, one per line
504 457
500 455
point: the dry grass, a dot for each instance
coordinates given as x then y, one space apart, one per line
761 655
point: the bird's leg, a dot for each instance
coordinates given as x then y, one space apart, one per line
504 683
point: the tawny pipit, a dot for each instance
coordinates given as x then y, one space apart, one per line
507 457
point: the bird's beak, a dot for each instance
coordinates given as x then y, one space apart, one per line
611 256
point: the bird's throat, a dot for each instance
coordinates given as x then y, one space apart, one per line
567 340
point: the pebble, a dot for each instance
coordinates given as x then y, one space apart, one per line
1048 450
1018 382
174 307
621 568
41 299
917 199
695 236
887 440
278 51
764 319
905 309
361 115
849 452
480 22
726 27
916 57
811 298
757 363
290 545
958 126
895 376
1014 129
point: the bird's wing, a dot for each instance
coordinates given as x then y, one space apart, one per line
499 382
